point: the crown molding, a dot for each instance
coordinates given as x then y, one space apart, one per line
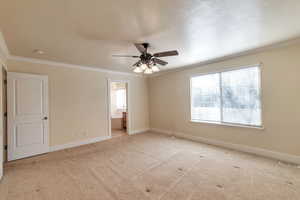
231 56
74 66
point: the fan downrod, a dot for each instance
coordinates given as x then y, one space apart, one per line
146 45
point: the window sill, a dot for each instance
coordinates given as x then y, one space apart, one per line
227 124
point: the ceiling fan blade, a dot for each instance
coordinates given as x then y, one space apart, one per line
140 47
127 56
159 61
166 53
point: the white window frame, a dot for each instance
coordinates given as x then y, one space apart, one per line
228 69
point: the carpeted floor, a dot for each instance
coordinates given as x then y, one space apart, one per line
149 166
118 133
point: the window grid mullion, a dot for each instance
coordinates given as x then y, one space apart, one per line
221 97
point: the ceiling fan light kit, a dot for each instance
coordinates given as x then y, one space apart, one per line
138 70
155 68
143 66
148 62
148 71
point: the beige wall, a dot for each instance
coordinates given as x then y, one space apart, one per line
169 102
78 101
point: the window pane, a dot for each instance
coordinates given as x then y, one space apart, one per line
241 96
205 102
121 99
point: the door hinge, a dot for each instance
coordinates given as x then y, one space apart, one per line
5 147
5 114
5 82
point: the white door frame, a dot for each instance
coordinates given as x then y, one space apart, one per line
128 102
2 132
10 112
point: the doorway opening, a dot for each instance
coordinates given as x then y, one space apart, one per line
118 108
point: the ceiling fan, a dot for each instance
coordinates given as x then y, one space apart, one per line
148 63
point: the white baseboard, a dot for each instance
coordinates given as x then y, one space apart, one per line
162 131
243 148
89 141
78 143
139 131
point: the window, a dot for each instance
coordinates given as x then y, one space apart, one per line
231 97
121 99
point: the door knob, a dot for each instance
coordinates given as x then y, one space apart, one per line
45 118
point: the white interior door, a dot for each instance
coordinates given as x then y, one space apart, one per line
27 109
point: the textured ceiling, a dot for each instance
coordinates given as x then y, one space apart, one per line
88 32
